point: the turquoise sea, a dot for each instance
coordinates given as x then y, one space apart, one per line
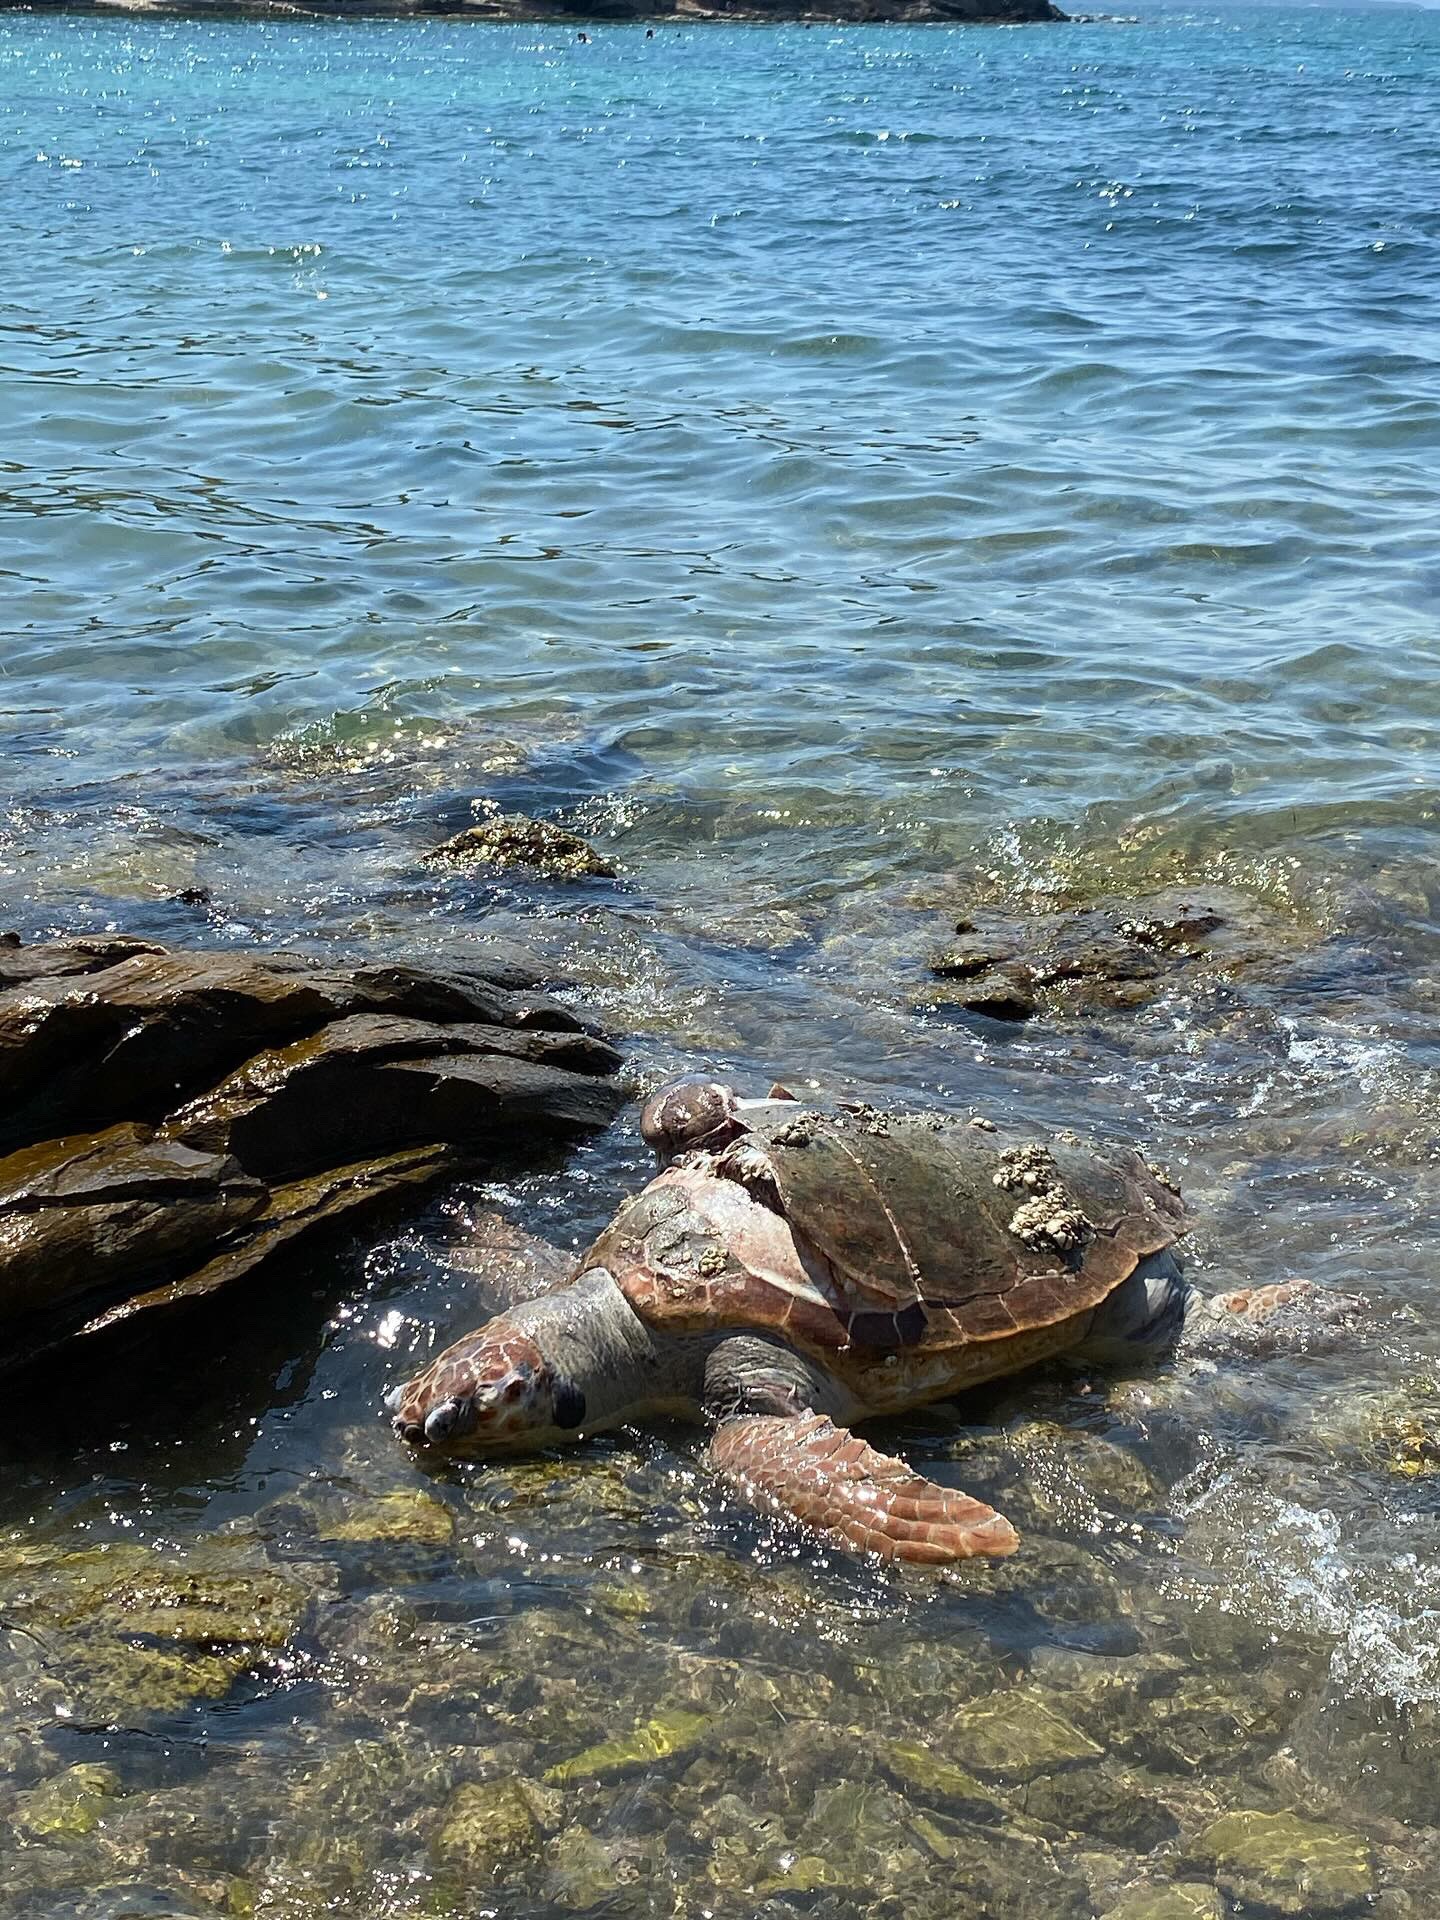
857 477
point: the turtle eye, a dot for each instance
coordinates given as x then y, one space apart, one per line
513 1388
569 1404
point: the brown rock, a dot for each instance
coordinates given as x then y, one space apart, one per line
969 957
19 963
514 840
1004 993
134 1039
292 1109
292 1214
1117 955
82 1215
177 1121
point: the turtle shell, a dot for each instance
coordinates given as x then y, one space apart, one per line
887 1231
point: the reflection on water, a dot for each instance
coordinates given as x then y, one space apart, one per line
858 479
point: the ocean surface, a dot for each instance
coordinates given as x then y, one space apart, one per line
859 478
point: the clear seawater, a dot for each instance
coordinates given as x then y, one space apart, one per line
849 475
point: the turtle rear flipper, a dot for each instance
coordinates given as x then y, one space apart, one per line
1291 1316
853 1495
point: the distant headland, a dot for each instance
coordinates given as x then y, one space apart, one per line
585 12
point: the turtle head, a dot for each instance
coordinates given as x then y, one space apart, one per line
493 1392
698 1112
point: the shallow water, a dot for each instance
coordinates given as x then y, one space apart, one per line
856 478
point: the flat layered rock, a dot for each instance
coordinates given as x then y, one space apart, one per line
357 1085
171 1123
131 1039
100 1211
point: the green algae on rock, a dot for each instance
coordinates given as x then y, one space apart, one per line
1182 1900
1287 1864
485 1826
510 840
921 1771
805 1873
1017 1734
201 1606
131 1631
409 1517
668 1734
1395 1430
70 1803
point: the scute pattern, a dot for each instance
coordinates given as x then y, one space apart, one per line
893 1238
940 1228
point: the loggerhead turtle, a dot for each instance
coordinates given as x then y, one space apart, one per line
791 1270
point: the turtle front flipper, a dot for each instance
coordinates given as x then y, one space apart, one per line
851 1494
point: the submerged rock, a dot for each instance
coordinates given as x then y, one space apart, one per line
410 1518
864 1837
1369 1752
486 1825
1116 955
1288 1865
1391 1430
70 1804
583 1872
663 1737
128 1631
511 840
171 1123
923 1773
1208 1724
1088 1802
1185 1900
1016 1734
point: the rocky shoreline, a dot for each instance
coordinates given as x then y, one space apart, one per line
588 12
177 1122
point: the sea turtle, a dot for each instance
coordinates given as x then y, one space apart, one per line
792 1270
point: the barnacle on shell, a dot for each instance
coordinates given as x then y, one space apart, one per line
1030 1166
1051 1221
